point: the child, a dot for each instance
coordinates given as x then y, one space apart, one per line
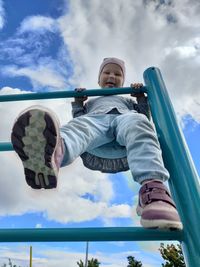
111 133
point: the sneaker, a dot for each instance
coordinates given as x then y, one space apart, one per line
35 137
156 207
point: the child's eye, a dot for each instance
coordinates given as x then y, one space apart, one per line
118 74
106 72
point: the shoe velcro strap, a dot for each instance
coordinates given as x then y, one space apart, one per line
153 196
148 187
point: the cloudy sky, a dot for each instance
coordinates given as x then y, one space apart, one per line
58 45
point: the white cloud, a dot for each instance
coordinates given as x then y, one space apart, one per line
38 23
186 10
38 225
2 15
58 256
40 75
167 36
12 91
164 35
64 204
183 51
19 256
25 54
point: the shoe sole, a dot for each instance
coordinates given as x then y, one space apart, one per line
158 224
161 224
34 138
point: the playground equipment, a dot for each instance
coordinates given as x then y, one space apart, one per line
31 254
184 183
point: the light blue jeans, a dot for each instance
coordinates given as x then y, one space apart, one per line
132 130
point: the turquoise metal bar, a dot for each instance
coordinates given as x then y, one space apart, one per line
184 182
5 146
68 94
87 234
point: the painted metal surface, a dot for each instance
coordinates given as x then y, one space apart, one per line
88 234
69 94
184 183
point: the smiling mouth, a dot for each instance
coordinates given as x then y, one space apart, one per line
110 84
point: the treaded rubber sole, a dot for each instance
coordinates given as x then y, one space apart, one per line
161 224
34 138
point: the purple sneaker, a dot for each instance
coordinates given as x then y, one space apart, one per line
156 207
36 139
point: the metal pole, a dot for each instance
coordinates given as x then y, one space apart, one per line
69 94
184 180
5 146
30 256
87 234
86 254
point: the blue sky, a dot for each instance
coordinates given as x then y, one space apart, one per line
58 45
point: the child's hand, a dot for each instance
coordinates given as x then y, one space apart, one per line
81 98
137 86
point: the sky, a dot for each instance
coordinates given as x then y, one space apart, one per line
58 45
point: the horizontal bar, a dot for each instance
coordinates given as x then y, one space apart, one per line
6 146
68 94
88 234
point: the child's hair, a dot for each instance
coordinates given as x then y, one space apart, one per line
112 60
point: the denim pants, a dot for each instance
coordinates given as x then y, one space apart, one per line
131 129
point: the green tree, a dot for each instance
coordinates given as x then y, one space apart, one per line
91 263
173 255
132 262
80 263
9 264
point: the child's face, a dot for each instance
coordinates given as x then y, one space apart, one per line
111 76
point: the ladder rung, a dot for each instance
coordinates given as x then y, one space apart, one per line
5 146
69 94
88 234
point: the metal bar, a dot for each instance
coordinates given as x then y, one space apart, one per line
31 256
184 182
69 94
5 146
88 234
86 254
